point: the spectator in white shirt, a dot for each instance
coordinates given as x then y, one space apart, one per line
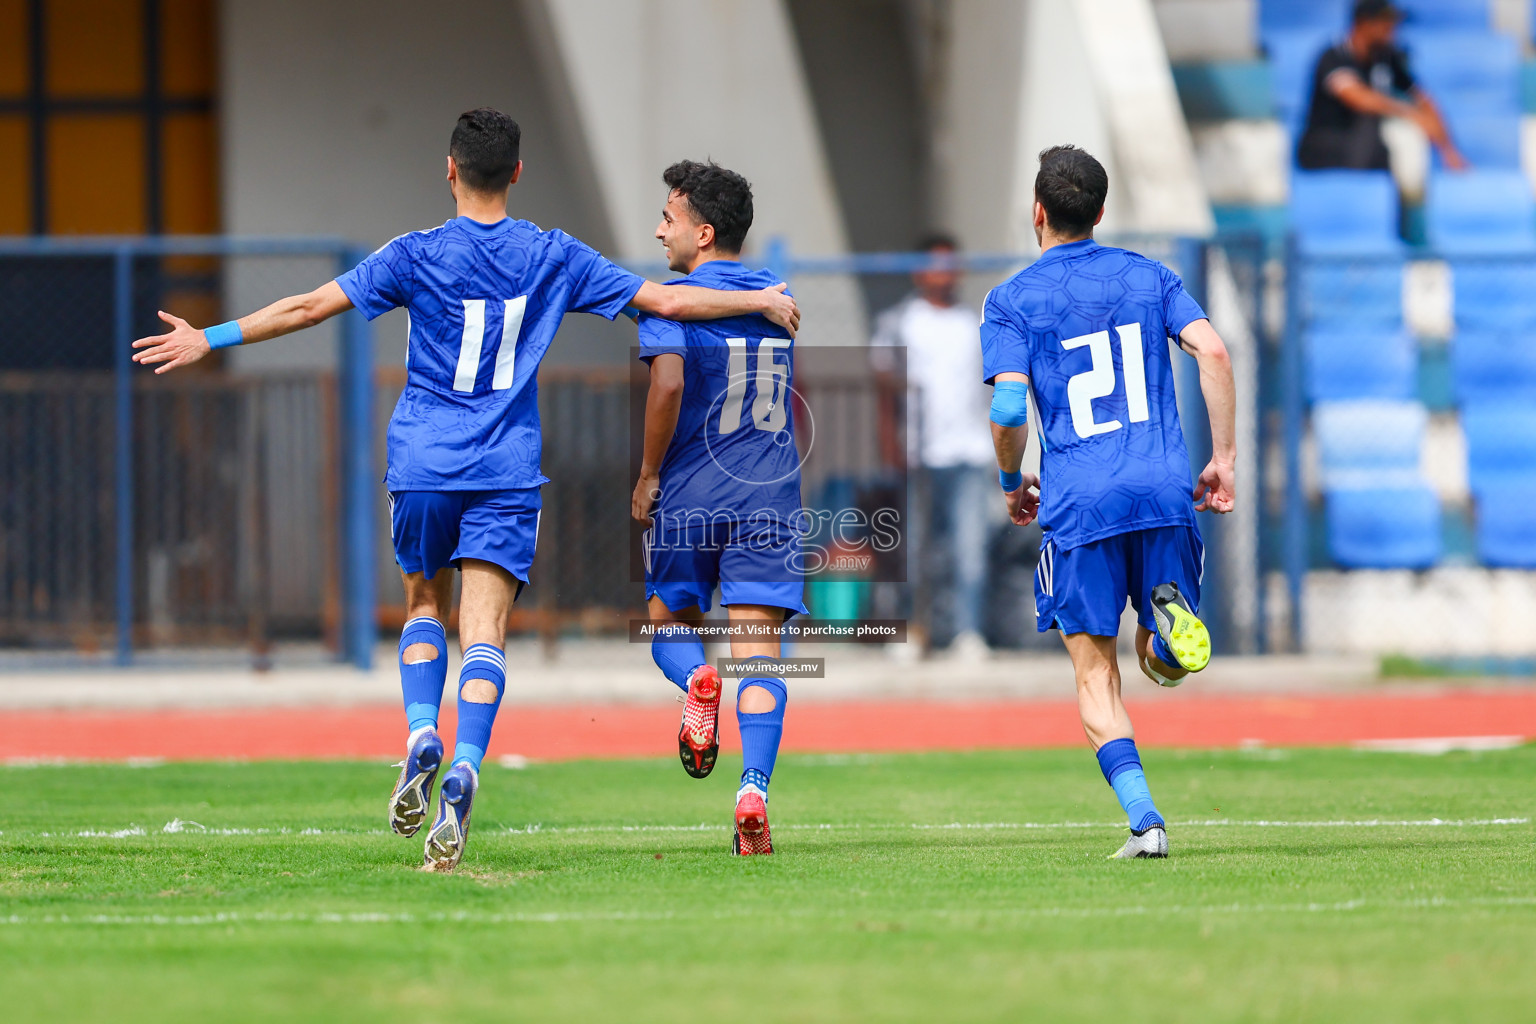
947 432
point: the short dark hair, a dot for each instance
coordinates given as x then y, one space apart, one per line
485 144
1375 10
718 197
937 240
1071 186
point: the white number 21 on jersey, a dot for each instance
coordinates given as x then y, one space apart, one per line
1099 380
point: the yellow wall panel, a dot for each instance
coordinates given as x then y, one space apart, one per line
190 200
187 47
96 175
94 47
15 68
15 176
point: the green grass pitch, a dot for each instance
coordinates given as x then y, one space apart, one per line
605 891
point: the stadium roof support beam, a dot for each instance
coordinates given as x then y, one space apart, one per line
655 81
1022 76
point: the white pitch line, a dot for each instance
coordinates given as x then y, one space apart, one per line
559 917
177 826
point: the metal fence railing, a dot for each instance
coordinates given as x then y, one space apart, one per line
242 507
196 509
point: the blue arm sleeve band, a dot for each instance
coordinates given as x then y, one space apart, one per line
1010 403
1010 481
224 335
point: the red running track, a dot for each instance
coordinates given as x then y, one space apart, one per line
560 733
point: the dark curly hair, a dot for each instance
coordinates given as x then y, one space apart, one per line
718 197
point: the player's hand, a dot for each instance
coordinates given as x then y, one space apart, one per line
781 308
1454 160
647 490
182 347
1024 503
1214 490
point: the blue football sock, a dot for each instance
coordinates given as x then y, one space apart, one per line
481 661
677 658
422 683
760 733
1121 765
1161 652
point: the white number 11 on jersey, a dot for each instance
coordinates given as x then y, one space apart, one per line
1099 380
474 339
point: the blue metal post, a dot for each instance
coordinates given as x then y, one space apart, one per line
1197 435
777 256
122 362
1295 526
360 487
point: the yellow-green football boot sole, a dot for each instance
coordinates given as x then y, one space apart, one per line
1181 629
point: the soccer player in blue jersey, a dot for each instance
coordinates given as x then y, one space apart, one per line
486 294
720 485
1082 335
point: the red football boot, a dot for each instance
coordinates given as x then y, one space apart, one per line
752 824
698 741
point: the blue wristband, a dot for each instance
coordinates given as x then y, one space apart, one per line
224 335
1010 481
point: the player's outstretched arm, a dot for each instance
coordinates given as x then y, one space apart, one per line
689 302
1215 488
186 344
1010 436
662 403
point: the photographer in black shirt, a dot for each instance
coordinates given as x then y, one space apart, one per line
1355 85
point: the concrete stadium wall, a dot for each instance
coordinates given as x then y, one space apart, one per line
335 120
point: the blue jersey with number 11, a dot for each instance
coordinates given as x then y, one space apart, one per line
733 452
1089 325
485 302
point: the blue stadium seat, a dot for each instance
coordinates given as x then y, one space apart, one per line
1384 527
1495 294
1281 16
1494 366
1501 444
1506 524
1369 442
1364 293
1345 212
1466 69
1345 363
1461 14
1488 141
1480 211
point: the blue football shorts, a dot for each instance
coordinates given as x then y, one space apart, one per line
1084 590
433 529
751 562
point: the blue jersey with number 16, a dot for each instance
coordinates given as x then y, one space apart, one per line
485 302
1089 325
733 453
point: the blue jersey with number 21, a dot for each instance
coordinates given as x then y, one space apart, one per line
1090 325
485 301
733 452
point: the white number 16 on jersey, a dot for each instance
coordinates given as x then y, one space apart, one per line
770 409
1099 380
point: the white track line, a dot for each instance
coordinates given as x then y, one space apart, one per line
964 915
177 826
